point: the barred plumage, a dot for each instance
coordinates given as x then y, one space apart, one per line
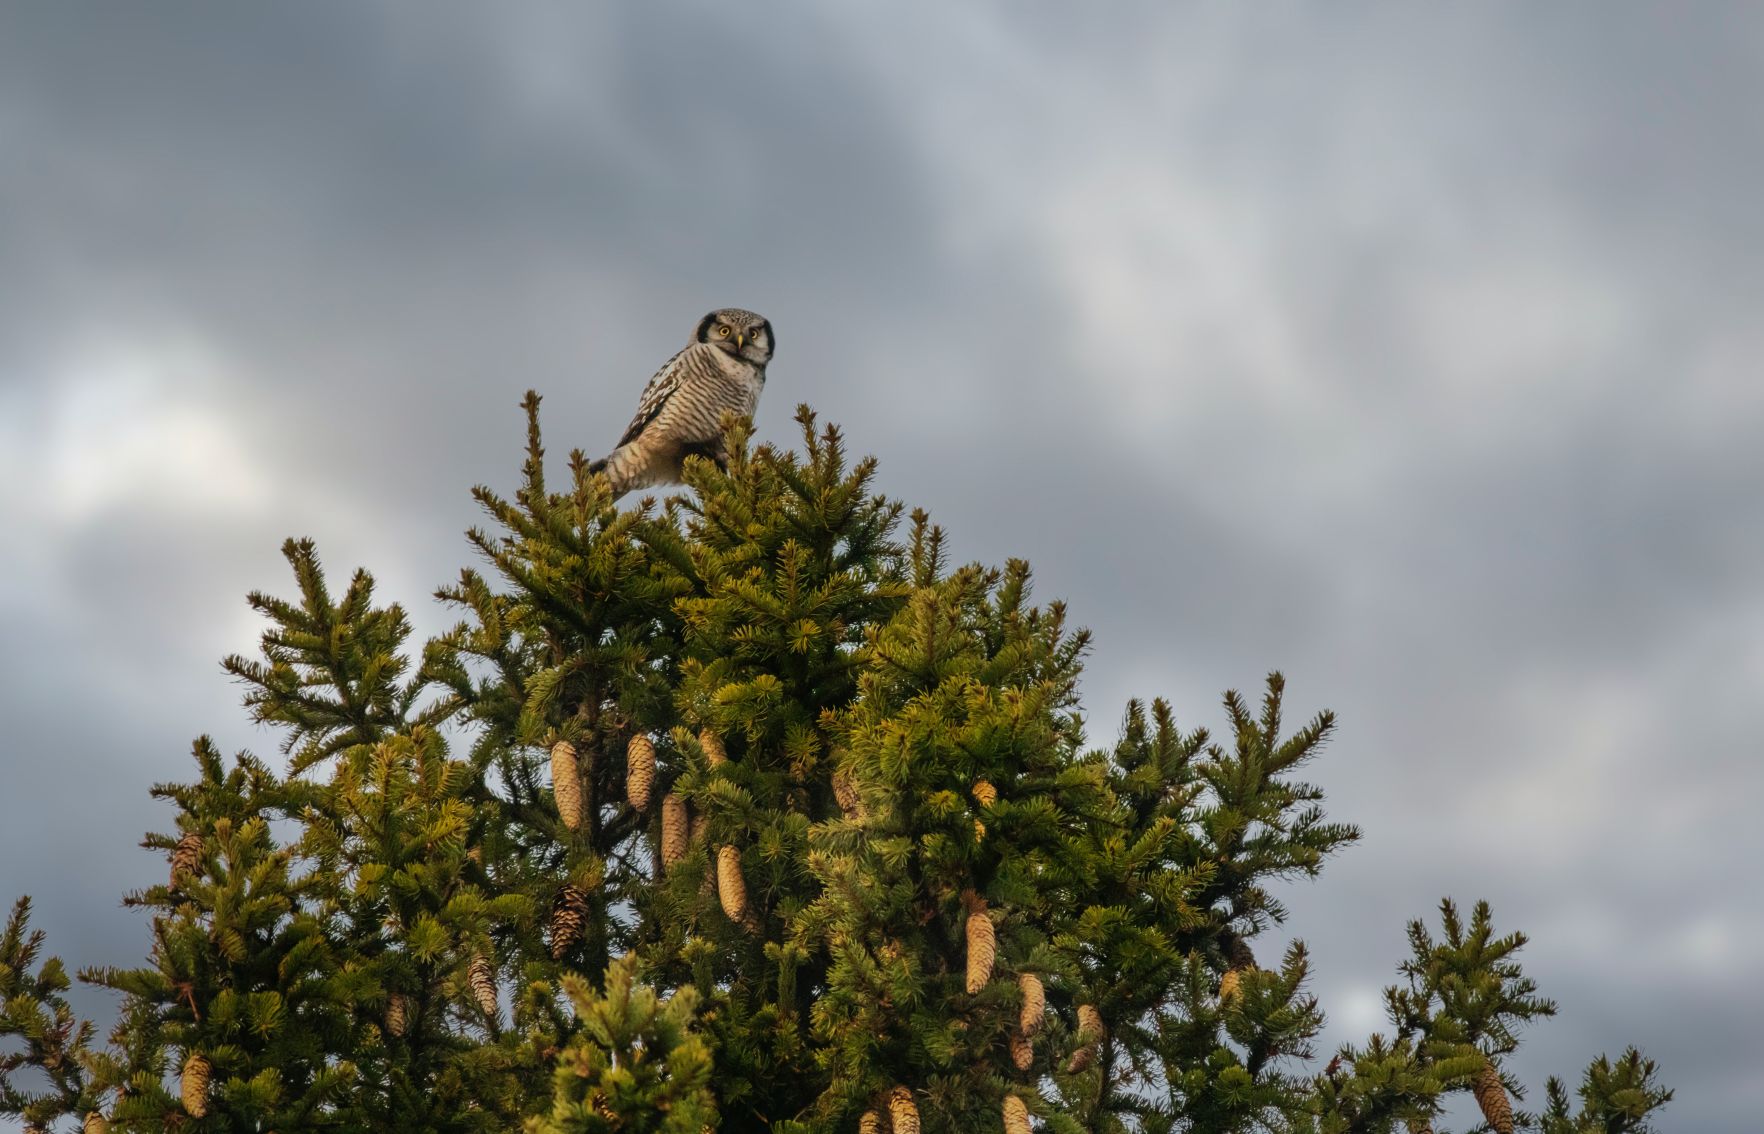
193 1084
639 771
186 857
674 829
1016 1115
731 886
566 784
723 370
903 1113
1491 1096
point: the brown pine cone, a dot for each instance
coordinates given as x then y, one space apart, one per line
1090 1035
982 947
569 914
1228 985
1016 1115
712 744
674 828
639 771
1022 1051
1491 1096
846 792
482 977
193 1084
870 1123
984 793
566 784
731 886
186 857
397 1011
903 1113
96 1123
1034 1003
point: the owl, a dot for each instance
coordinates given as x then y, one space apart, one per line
722 369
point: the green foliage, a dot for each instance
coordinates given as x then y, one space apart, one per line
896 828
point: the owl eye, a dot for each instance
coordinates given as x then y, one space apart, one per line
723 331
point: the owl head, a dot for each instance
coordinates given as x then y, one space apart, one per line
741 333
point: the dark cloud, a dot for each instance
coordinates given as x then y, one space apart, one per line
1409 352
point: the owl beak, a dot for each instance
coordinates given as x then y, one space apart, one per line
740 340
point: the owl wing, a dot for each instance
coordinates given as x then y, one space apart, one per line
662 386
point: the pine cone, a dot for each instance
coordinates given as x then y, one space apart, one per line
870 1123
1034 1003
1016 1115
982 947
674 829
1090 1035
984 793
186 857
396 1012
566 783
193 1085
714 752
639 771
1228 985
569 913
96 1123
846 792
1491 1096
731 887
1420 1126
1022 1051
482 977
903 1114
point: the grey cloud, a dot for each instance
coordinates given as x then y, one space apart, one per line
1407 351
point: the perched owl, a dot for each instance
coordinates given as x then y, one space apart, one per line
723 368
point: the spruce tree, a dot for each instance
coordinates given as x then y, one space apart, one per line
745 811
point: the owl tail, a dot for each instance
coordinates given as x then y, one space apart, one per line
616 467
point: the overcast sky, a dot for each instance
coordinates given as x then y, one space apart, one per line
1413 352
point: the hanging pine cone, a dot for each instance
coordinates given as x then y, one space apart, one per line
397 1011
903 1113
984 793
481 975
674 829
1034 1003
639 771
846 792
1491 1096
1022 1051
712 744
193 1085
1016 1115
870 1123
982 947
1228 985
96 1123
569 913
731 886
186 857
566 783
1090 1035
1239 960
